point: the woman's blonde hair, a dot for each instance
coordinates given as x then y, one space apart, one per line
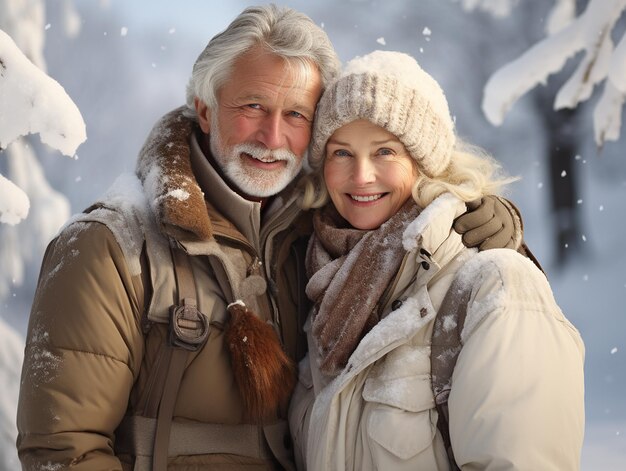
471 174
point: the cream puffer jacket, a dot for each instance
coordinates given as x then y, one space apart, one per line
517 389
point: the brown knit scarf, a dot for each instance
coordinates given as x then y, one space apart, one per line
349 270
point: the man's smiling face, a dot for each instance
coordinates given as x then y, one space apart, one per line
261 129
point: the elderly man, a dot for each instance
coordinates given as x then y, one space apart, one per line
167 320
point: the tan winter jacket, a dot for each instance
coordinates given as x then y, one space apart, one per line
517 390
107 279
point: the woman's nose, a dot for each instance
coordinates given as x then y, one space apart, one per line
364 172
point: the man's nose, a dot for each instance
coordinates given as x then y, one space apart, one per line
271 131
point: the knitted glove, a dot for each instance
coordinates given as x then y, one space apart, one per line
263 372
489 223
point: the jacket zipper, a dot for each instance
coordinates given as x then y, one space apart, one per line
256 262
280 223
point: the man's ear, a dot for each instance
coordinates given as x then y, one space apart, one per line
204 115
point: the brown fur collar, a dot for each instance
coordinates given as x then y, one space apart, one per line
164 168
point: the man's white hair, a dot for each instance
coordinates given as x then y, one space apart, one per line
282 31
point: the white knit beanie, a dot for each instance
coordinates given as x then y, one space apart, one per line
391 90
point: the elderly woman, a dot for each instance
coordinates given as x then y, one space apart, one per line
389 278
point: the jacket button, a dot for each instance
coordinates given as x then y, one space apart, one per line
396 304
425 252
425 265
423 312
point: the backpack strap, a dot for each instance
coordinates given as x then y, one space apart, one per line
188 331
445 349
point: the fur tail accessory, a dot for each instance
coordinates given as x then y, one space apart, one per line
263 372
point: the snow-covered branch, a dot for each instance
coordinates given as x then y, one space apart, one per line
590 32
32 102
14 203
561 15
494 7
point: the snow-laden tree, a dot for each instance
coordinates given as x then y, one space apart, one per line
11 348
590 33
30 102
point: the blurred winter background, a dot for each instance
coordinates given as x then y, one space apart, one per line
124 64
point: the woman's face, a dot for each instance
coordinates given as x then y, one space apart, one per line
368 172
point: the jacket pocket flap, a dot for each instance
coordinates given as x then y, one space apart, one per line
405 434
411 393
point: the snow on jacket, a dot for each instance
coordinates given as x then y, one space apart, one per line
108 276
517 389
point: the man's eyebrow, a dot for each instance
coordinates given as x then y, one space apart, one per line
298 104
253 97
306 109
294 104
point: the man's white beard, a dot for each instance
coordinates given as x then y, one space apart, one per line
250 180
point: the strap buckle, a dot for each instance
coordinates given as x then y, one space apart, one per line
189 328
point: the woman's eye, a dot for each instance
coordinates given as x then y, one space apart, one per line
385 151
341 153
